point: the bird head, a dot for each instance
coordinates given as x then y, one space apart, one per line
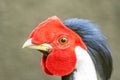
57 44
71 47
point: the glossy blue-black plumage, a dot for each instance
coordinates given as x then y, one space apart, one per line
96 43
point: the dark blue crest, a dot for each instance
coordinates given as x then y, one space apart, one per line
96 43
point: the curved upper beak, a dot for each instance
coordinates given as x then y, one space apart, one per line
42 47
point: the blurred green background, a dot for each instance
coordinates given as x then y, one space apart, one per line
19 17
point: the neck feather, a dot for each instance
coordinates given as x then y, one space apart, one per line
85 69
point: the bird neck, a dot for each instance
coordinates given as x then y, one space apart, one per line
85 69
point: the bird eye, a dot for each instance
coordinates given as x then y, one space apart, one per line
63 40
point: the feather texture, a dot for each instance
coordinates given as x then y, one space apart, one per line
96 43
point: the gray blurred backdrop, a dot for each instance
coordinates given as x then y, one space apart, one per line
19 17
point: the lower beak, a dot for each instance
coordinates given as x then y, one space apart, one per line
42 47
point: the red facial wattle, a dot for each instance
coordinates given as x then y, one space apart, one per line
61 60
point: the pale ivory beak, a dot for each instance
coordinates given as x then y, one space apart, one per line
42 47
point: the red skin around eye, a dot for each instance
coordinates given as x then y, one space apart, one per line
59 62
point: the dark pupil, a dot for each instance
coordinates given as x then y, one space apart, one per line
63 40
